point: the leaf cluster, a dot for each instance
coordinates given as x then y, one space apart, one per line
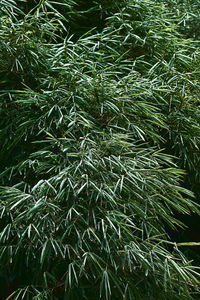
87 191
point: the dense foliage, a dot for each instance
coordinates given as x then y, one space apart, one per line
99 148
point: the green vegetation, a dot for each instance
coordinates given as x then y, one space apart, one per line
99 149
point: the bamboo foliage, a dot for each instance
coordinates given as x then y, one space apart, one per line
91 119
